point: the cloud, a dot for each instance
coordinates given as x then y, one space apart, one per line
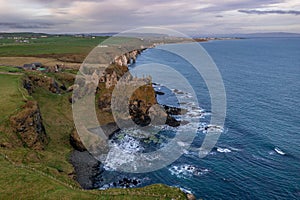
265 12
37 25
189 16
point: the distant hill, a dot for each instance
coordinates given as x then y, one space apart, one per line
271 34
22 34
254 35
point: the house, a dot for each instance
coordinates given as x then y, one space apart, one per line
29 67
32 66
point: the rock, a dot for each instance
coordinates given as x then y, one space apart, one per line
28 125
35 80
104 102
190 197
159 93
28 86
72 87
63 87
174 111
109 129
87 168
176 91
75 141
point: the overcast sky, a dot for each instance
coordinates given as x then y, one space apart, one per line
187 16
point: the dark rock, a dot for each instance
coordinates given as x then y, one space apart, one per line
178 91
28 125
63 87
86 168
28 86
108 129
75 141
104 101
134 182
159 93
171 121
174 110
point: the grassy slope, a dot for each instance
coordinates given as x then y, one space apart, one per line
21 182
11 97
47 174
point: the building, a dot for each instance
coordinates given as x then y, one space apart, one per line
32 66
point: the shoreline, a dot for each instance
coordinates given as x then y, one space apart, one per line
86 167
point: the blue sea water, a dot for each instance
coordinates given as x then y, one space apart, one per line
262 82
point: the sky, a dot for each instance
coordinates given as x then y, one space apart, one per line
186 16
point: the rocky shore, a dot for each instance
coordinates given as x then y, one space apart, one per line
87 168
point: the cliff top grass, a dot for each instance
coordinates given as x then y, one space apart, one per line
11 93
23 182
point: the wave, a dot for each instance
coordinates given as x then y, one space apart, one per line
123 183
186 191
279 151
184 171
223 150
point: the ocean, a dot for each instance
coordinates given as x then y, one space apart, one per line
258 153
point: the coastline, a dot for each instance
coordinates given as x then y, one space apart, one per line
87 168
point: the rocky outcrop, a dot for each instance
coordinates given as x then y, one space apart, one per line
127 58
140 102
87 168
108 129
38 80
75 141
28 125
190 197
104 102
174 110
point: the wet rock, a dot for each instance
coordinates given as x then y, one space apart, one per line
159 93
86 168
171 121
174 110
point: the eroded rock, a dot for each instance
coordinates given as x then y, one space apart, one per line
28 125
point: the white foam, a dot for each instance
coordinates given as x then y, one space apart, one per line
185 190
184 171
271 152
279 151
223 150
234 149
121 152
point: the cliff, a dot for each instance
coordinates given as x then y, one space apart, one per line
28 125
142 105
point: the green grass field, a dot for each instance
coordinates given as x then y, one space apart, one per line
22 182
11 94
47 46
9 69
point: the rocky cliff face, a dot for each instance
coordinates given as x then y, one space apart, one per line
38 80
75 141
127 58
28 125
141 101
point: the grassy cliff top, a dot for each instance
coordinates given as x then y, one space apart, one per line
47 174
